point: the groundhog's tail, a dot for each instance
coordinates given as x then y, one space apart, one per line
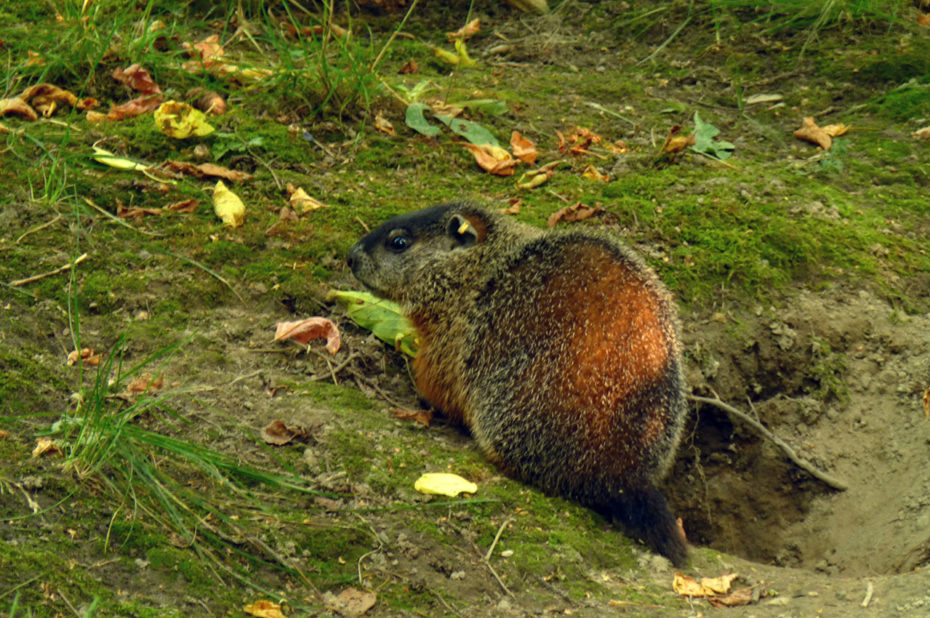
644 513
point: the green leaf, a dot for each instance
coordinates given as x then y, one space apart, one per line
472 131
382 317
417 121
704 134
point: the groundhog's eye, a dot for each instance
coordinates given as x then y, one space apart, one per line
399 242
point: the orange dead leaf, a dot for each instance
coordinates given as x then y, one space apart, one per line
577 212
264 609
280 433
592 173
465 32
4 434
143 384
205 170
86 356
185 206
207 50
135 107
810 132
304 331
523 149
424 417
383 124
580 139
492 159
46 446
137 78
409 67
208 101
46 98
708 587
687 587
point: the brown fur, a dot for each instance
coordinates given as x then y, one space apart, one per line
559 351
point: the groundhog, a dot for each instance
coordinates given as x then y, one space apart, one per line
558 350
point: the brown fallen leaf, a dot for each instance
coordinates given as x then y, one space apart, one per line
4 434
822 136
137 78
17 106
592 173
383 124
208 101
513 209
424 417
205 170
675 143
352 602
523 149
135 212
409 67
46 446
143 384
264 609
185 206
737 598
45 98
467 31
300 200
86 356
579 140
492 159
208 50
135 107
304 331
279 433
926 401
576 212
923 133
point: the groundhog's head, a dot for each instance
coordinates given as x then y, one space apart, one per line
394 255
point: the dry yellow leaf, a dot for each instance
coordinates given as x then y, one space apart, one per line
180 120
264 609
444 484
227 205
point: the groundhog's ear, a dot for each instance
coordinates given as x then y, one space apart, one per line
464 232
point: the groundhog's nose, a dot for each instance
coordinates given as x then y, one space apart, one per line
352 256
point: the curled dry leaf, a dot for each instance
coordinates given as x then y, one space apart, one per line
675 143
592 173
467 31
135 107
137 78
409 67
86 356
737 598
444 484
923 133
523 149
205 170
383 124
227 205
492 159
424 417
709 586
46 446
534 178
143 384
299 200
578 141
822 136
180 120
279 433
17 106
263 609
576 212
208 101
185 206
306 330
46 98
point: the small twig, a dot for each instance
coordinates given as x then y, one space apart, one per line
498 578
363 224
497 537
64 268
829 479
869 589
38 227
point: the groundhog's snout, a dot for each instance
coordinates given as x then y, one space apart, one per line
353 256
